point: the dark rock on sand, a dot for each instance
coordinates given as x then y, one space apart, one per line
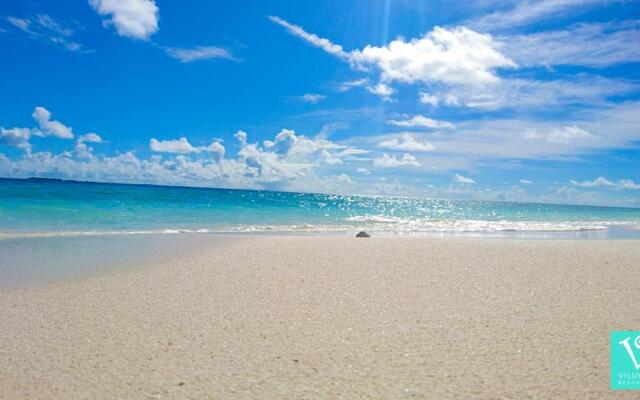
363 234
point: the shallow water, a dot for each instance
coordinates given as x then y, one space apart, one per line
25 261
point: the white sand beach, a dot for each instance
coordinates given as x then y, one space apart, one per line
330 317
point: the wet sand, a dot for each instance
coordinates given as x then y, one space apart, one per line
330 317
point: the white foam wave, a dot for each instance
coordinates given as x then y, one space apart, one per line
412 226
383 224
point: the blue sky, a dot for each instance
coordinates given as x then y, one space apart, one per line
497 100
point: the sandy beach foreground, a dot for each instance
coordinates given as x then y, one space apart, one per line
320 317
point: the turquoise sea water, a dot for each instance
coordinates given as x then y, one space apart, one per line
31 208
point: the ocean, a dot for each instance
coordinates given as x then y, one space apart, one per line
42 208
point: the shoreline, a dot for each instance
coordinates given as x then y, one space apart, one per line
291 317
600 230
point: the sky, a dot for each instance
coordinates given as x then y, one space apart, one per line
505 100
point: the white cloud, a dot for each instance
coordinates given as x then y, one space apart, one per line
460 66
199 53
315 40
475 142
136 19
342 179
21 23
241 136
216 149
91 137
526 182
52 25
447 99
522 93
387 161
269 166
565 134
16 137
382 90
302 149
600 181
363 171
422 122
287 161
19 137
604 182
426 98
628 184
346 86
180 146
45 28
528 11
406 143
454 56
312 98
49 127
463 180
81 148
451 56
330 128
584 44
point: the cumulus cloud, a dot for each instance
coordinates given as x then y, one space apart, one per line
82 149
216 149
463 180
406 143
16 137
384 91
426 98
302 149
241 136
20 137
451 56
421 122
604 182
91 137
136 19
312 98
288 156
199 53
179 146
50 127
526 182
287 161
435 100
182 146
458 55
460 65
387 161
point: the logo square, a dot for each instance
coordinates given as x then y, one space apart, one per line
625 360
